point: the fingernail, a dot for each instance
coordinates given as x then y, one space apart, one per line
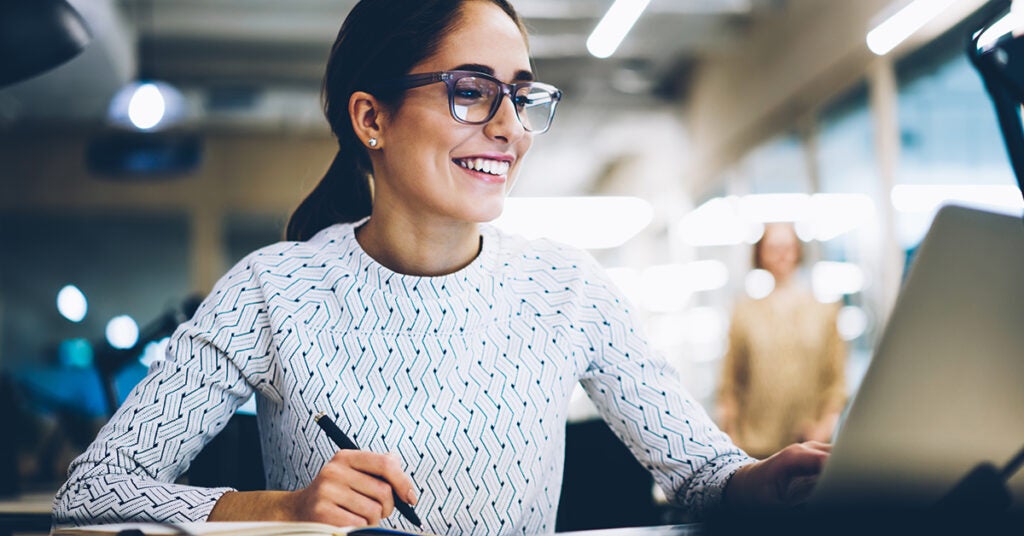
412 497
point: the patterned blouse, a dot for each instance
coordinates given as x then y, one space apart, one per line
466 376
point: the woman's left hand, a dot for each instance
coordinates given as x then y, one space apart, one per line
783 480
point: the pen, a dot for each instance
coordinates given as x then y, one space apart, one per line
345 443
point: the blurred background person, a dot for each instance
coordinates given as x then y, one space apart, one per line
783 376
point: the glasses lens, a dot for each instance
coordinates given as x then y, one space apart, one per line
535 106
473 97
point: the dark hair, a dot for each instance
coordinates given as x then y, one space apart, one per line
379 40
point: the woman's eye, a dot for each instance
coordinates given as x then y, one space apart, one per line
468 93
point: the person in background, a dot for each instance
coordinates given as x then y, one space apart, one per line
783 377
447 349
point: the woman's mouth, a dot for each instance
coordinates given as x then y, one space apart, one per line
487 166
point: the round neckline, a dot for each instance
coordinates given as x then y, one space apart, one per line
371 273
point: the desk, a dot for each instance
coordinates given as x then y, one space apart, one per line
691 529
29 513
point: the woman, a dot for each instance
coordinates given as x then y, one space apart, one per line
423 333
783 378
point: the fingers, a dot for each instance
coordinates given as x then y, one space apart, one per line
376 493
354 488
818 445
384 466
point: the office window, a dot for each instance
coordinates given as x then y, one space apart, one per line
846 157
777 166
951 146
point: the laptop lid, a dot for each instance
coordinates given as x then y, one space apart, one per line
945 389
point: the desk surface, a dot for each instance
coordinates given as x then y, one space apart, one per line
661 530
30 513
28 503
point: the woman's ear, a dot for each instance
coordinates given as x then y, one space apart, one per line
367 115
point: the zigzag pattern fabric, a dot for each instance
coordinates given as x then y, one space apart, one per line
467 377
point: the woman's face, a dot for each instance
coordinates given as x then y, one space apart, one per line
424 168
780 250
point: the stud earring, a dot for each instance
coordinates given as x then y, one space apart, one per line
372 142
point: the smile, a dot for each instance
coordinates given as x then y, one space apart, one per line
485 165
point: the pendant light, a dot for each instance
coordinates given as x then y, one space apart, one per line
146 104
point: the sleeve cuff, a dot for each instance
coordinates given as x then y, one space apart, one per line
705 493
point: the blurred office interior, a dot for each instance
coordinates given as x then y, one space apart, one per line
665 160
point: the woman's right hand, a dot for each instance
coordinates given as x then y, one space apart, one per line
352 489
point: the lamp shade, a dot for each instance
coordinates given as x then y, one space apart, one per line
37 35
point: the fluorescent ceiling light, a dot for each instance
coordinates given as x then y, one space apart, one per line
614 26
1013 22
897 28
725 221
765 208
831 280
925 198
583 222
716 223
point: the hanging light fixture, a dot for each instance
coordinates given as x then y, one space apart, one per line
37 35
146 104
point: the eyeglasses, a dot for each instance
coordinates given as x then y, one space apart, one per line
474 98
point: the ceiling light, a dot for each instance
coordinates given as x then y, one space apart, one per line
897 28
926 198
831 280
122 332
614 26
759 283
147 105
585 222
71 303
852 322
1011 23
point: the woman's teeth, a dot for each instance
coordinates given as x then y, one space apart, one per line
491 167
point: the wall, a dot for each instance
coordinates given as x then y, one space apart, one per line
788 66
44 171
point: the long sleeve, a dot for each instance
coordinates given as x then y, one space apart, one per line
128 472
643 401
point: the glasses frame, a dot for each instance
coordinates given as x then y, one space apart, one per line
451 78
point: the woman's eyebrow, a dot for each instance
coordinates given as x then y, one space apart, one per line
479 68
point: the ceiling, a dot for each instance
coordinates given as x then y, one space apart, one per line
259 63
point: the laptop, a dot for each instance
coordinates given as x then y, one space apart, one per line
945 389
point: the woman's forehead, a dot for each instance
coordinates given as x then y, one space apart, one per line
484 35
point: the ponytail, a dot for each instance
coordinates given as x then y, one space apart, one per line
342 196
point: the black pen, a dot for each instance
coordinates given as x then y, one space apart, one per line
345 443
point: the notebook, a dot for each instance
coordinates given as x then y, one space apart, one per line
225 528
945 389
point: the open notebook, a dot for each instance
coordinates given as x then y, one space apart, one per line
225 528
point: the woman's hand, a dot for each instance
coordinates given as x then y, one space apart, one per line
785 479
352 489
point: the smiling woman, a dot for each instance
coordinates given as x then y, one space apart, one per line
420 329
